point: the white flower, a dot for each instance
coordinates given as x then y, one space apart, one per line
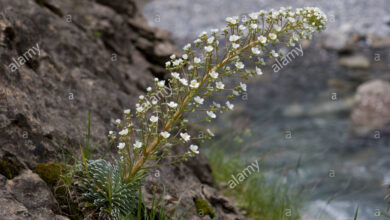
154 119
254 15
219 85
210 40
214 31
232 20
204 33
139 108
175 75
235 46
154 101
295 37
262 39
165 134
173 56
185 56
199 100
127 111
197 60
277 28
229 105
124 132
240 65
217 105
141 97
234 38
272 36
214 75
210 133
242 27
235 93
274 54
172 104
194 84
186 137
211 114
111 132
118 121
184 81
209 49
168 63
243 86
259 71
197 41
137 144
254 26
161 83
194 149
149 89
187 47
177 62
121 145
255 50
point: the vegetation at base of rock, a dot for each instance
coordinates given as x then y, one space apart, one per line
203 208
103 193
104 189
59 177
50 172
8 169
157 211
260 197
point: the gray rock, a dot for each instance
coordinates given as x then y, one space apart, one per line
332 107
336 40
27 197
379 42
32 191
372 107
320 109
355 62
294 110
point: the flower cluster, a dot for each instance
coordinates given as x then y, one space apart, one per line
160 118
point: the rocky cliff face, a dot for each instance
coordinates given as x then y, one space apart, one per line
60 59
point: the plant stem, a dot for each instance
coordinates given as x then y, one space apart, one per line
152 146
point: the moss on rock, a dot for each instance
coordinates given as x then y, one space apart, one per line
49 172
8 169
203 208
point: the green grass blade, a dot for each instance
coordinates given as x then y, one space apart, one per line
356 213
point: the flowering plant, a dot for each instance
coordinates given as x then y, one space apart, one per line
160 121
160 118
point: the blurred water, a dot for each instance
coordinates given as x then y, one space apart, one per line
187 18
317 152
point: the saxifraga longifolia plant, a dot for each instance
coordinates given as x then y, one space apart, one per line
160 118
